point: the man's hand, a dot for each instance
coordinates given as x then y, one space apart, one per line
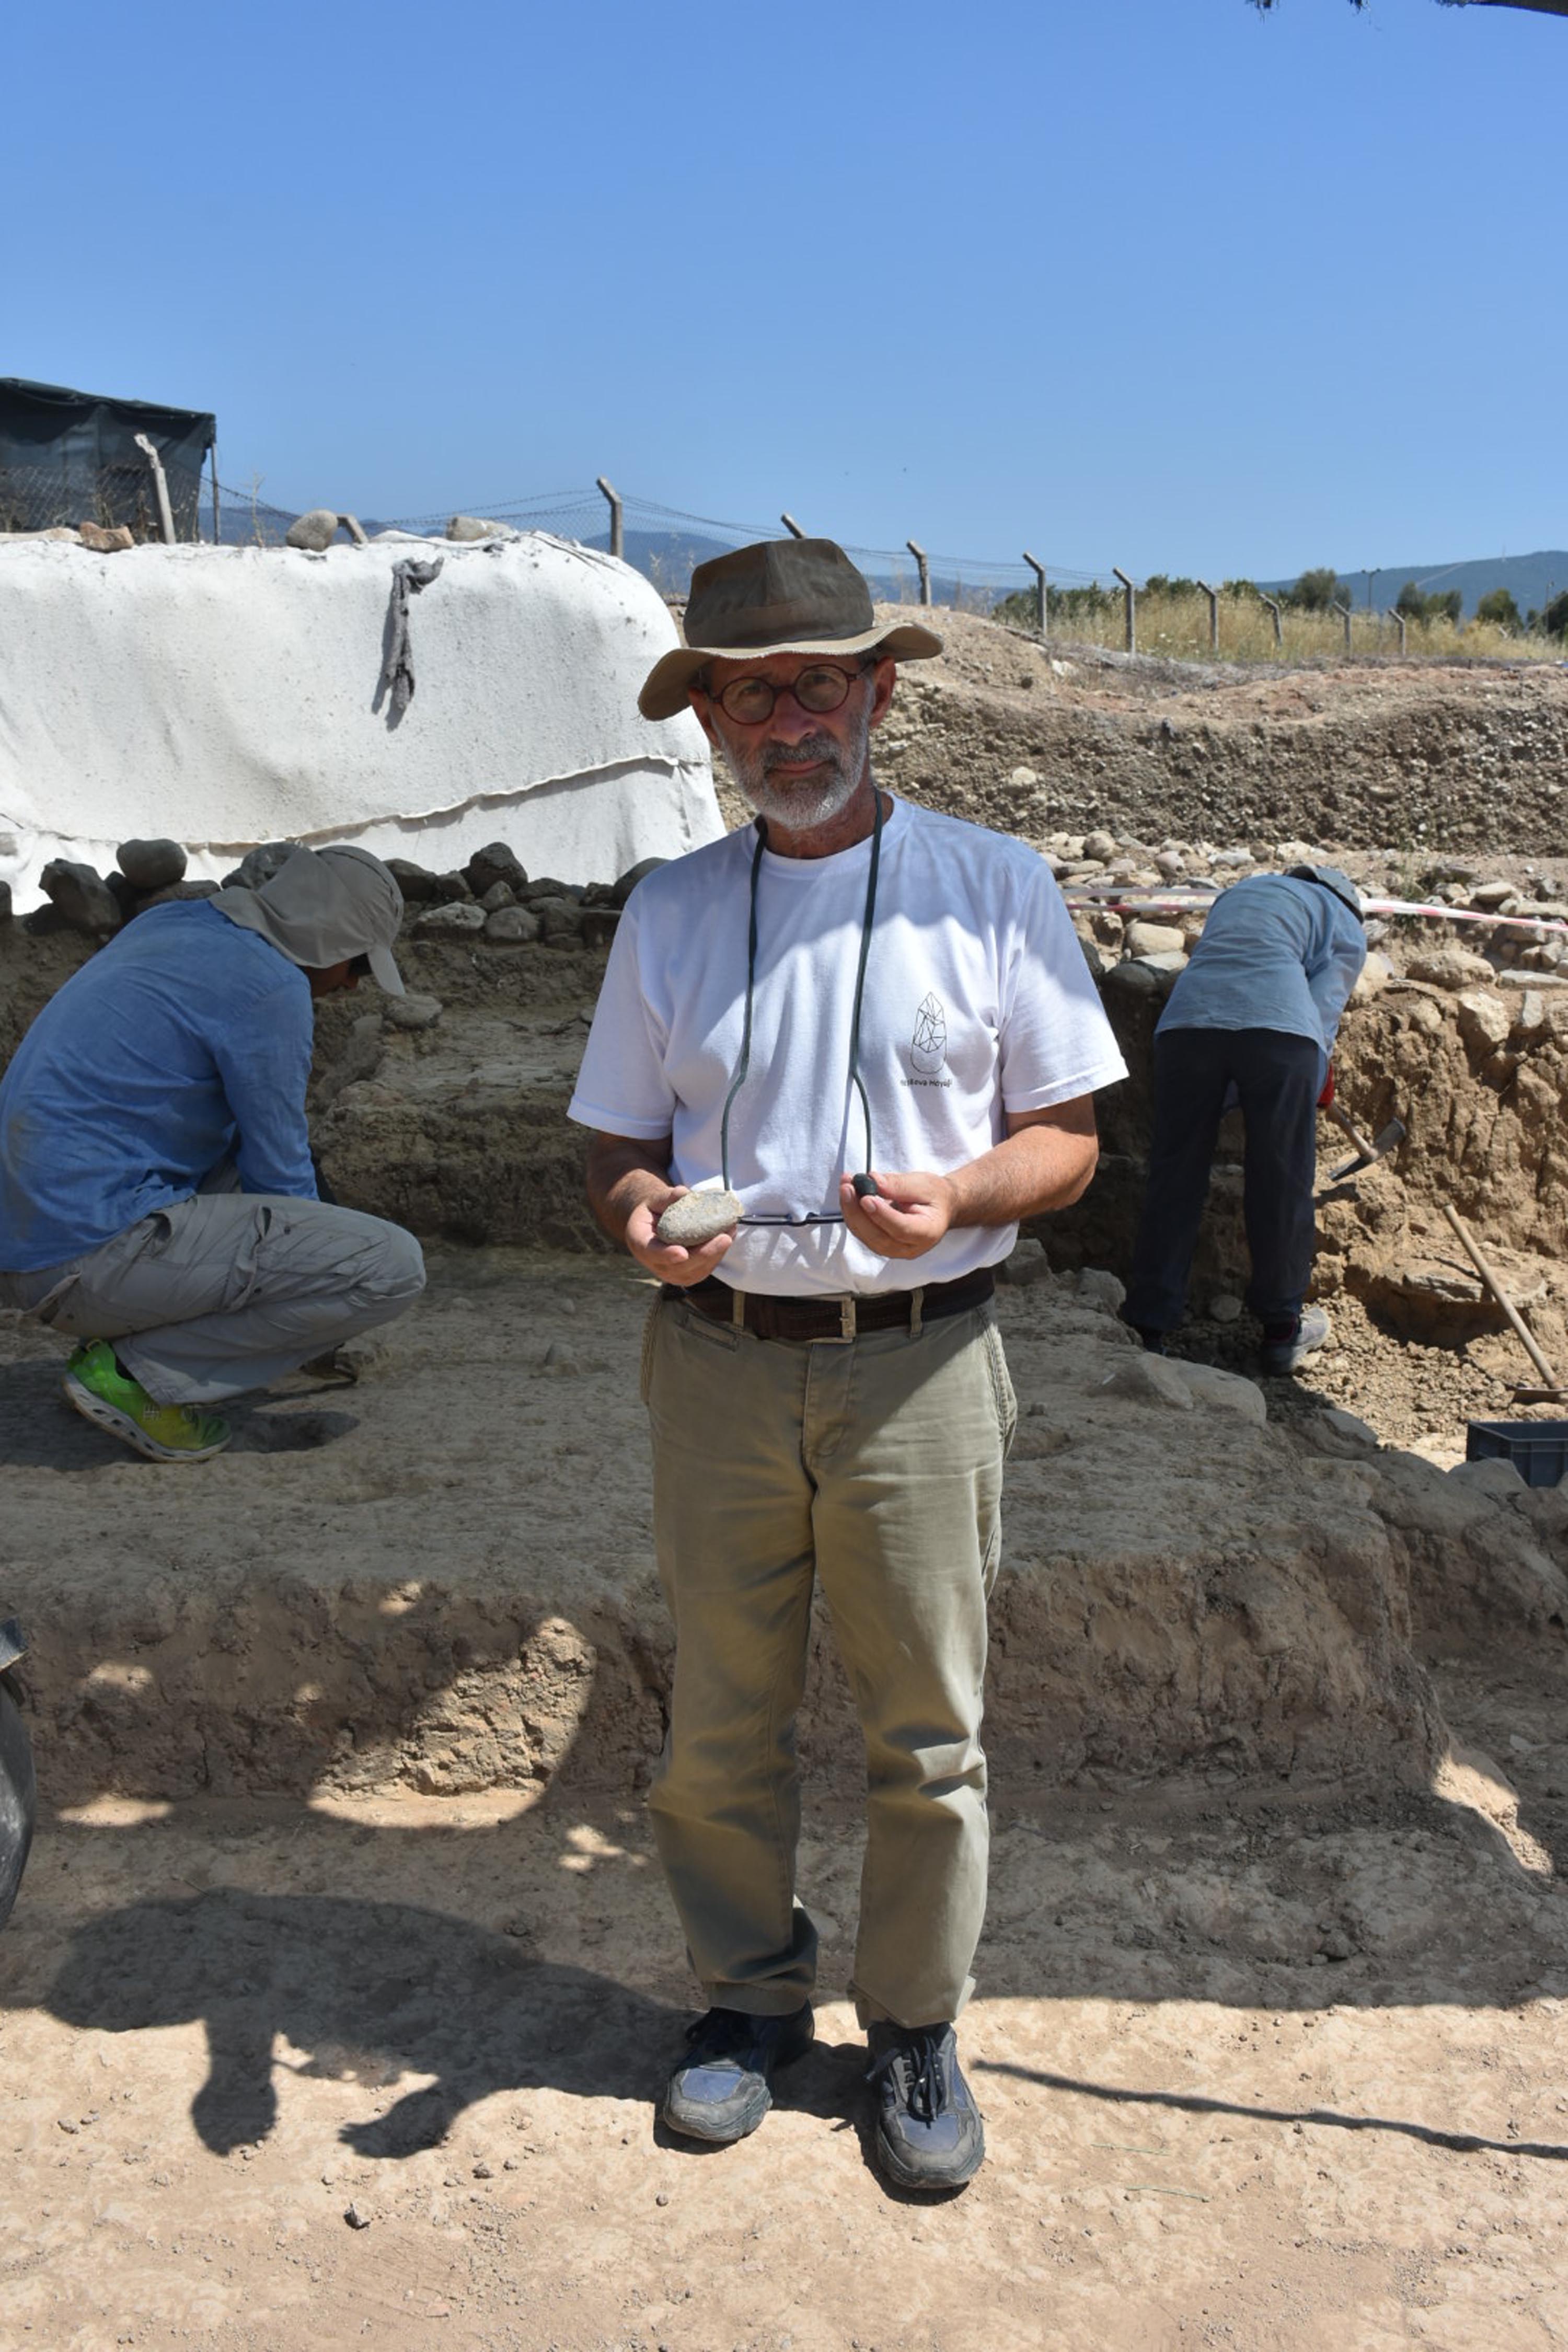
1044 1161
629 1190
907 1215
669 1260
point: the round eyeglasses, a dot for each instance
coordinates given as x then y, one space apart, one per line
822 688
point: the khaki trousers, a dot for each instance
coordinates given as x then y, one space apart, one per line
874 1467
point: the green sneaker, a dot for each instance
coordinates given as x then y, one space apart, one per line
100 1393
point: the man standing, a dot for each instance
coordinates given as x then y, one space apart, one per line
157 1195
876 1026
1252 1019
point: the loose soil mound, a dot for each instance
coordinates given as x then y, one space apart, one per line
1412 755
442 1580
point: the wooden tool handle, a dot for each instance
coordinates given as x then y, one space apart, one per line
1342 1119
1500 1295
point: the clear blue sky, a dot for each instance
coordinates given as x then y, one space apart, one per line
1155 282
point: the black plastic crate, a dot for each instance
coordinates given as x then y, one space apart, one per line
1538 1449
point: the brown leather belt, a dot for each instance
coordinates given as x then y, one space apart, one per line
838 1318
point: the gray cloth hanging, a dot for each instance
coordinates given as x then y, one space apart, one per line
397 665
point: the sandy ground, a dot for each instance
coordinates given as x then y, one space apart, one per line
227 2024
241 2022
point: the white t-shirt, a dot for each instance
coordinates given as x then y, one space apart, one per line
977 1000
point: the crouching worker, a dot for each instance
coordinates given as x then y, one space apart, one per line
1251 1020
158 1201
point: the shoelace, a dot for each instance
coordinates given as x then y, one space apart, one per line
924 2091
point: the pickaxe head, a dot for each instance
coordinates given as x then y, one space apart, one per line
1384 1141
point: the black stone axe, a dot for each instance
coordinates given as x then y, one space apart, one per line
1366 1150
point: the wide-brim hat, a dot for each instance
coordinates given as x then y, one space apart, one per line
324 906
1332 879
777 596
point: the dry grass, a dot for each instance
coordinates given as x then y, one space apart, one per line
1178 627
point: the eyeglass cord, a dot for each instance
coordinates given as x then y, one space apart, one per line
744 1065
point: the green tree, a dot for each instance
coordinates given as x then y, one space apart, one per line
1498 606
1314 591
1555 620
1021 609
1411 602
1090 602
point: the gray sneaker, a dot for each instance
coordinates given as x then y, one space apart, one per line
1281 1352
722 2088
928 2133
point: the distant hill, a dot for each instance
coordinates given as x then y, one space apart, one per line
1533 580
668 558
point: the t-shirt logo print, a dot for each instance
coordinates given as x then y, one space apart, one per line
928 1050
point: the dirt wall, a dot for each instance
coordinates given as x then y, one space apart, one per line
443 1580
1468 757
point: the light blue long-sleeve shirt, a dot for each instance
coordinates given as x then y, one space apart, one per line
183 1043
1276 953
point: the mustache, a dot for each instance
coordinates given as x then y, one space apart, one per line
810 747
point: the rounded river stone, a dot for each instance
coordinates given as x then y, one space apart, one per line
695 1217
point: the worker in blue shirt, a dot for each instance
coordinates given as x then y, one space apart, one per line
158 1199
1251 1019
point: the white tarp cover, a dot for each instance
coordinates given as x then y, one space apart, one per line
227 695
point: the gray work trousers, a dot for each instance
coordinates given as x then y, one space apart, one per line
228 1291
873 1467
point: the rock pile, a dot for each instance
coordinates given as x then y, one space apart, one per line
490 898
81 900
1144 951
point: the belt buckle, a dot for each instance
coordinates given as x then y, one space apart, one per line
845 1319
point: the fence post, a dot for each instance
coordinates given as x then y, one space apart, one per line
1131 610
1274 609
1039 571
1397 615
617 533
791 525
1344 613
925 562
1213 595
166 512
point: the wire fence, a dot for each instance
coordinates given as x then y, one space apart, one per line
1183 619
64 492
666 544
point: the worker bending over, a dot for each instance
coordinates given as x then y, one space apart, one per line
1252 1018
158 1200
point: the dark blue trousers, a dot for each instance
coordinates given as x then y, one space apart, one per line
1275 1076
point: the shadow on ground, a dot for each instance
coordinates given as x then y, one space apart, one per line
373 1991
1187 2103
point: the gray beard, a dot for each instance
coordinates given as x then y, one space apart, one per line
798 808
